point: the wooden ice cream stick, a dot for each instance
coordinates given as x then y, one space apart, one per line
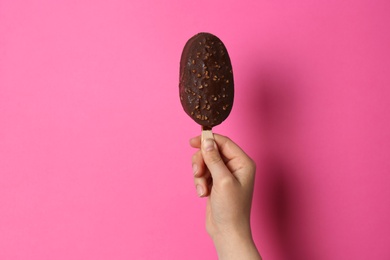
207 133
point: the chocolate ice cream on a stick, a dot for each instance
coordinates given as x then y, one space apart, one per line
206 81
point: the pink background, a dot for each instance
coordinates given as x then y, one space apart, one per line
94 154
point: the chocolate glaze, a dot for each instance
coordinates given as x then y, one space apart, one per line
206 80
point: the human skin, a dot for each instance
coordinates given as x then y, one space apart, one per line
225 175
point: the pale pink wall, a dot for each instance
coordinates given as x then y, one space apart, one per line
94 154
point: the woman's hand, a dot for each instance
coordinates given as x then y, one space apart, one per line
225 174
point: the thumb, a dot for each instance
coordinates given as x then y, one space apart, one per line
213 159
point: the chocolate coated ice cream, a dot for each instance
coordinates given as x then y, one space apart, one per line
206 80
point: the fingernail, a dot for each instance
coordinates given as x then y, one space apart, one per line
199 190
194 169
208 145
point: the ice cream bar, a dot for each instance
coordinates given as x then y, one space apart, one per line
206 80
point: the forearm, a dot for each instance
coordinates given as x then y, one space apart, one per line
236 247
